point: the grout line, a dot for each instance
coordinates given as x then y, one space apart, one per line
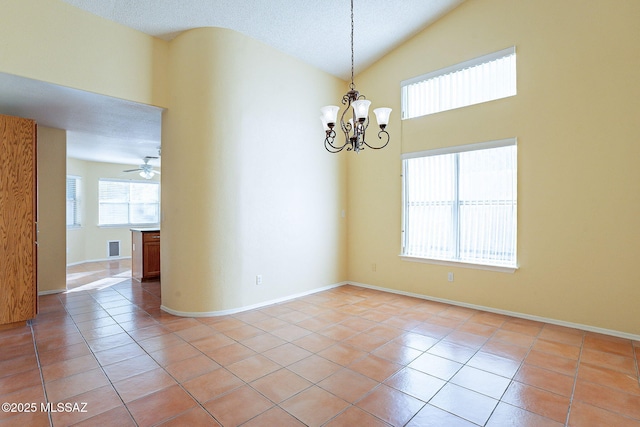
179 383
97 361
35 348
575 381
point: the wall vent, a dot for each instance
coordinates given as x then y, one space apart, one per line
113 248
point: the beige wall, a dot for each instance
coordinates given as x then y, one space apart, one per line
52 149
89 242
576 120
247 187
55 42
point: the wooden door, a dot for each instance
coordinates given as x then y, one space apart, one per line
18 255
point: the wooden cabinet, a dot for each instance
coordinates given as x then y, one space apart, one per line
18 254
145 253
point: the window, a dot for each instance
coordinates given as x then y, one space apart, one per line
460 204
128 202
73 201
479 80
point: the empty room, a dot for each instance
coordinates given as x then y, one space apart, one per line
453 243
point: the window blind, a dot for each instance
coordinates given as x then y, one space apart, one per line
462 205
128 202
482 79
73 196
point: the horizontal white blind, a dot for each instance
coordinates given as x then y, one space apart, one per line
128 202
472 82
462 206
73 201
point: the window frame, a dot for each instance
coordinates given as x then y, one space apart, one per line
475 62
129 223
456 262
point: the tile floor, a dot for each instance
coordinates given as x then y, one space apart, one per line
98 275
344 357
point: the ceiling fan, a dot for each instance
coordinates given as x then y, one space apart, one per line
146 170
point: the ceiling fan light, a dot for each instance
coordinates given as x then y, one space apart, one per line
147 174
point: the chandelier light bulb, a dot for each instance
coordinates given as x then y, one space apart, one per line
361 109
382 116
330 114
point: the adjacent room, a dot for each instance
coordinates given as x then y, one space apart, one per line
183 242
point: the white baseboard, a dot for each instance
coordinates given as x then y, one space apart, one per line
249 307
506 312
53 291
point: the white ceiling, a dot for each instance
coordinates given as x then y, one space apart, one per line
315 31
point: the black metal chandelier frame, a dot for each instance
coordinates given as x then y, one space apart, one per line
354 129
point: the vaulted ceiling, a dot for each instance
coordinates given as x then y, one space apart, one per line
316 32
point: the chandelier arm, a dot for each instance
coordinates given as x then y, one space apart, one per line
328 143
382 132
330 148
362 128
345 125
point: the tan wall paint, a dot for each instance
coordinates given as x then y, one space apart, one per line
55 42
247 187
52 151
89 242
576 120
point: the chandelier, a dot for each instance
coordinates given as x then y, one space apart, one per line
355 127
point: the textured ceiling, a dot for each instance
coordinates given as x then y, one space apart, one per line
315 31
105 129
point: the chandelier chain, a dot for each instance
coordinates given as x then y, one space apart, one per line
352 85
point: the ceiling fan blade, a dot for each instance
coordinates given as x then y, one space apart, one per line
132 170
156 171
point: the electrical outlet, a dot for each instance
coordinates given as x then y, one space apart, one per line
373 266
259 279
450 277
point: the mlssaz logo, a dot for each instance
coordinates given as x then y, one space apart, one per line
63 407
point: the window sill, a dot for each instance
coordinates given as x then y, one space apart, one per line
500 269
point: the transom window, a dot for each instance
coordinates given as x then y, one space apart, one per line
128 202
482 79
460 204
